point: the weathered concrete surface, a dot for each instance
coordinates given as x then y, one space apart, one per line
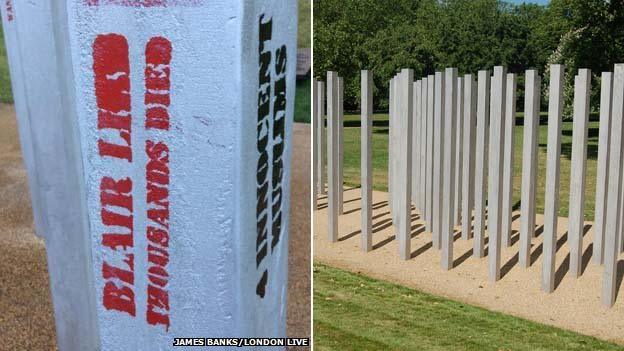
438 162
404 169
430 153
468 162
321 142
529 164
614 188
459 155
578 168
28 321
366 160
422 186
19 36
508 170
575 304
332 155
553 168
448 167
481 150
495 169
606 93
187 202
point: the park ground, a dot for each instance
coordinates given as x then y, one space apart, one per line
353 311
575 304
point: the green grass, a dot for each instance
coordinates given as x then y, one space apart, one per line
353 312
303 35
6 95
302 101
380 161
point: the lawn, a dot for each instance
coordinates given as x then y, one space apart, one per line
380 161
354 312
304 36
302 101
5 80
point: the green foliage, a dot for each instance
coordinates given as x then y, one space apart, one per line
354 312
591 35
428 35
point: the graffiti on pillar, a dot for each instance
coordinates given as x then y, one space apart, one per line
9 10
157 100
264 109
112 88
271 130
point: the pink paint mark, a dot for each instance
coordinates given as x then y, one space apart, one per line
9 10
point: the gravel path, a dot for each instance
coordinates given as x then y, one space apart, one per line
574 305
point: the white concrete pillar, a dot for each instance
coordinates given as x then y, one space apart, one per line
366 162
430 153
468 150
416 98
422 190
399 152
448 171
495 173
529 165
614 188
459 134
321 143
51 151
606 92
391 101
438 162
405 165
315 137
508 159
551 192
333 178
582 86
27 34
128 229
482 135
340 145
620 241
394 150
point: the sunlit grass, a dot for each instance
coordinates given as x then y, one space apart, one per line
380 161
354 312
